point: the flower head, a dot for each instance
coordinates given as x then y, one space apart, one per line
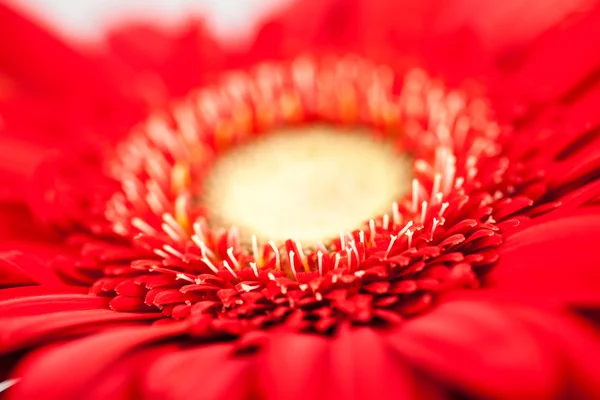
321 225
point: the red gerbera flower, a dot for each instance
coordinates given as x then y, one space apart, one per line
324 225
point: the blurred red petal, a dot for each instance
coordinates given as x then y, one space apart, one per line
578 344
17 268
22 332
311 26
169 62
36 305
24 58
556 259
362 366
555 66
309 376
121 380
29 291
17 221
505 23
224 376
19 160
45 369
480 350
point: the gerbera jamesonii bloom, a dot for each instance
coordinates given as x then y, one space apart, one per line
345 210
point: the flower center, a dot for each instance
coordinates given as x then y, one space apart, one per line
305 183
231 193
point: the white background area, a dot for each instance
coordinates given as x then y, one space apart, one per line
86 20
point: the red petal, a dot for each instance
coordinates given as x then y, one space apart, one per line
17 269
29 291
578 344
306 379
224 376
37 305
587 194
85 360
361 366
308 25
508 22
555 66
130 304
480 350
22 332
556 259
175 61
120 381
44 105
23 58
584 166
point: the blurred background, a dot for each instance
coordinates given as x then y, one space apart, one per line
86 20
494 20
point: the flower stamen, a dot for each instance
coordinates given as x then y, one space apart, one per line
393 239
